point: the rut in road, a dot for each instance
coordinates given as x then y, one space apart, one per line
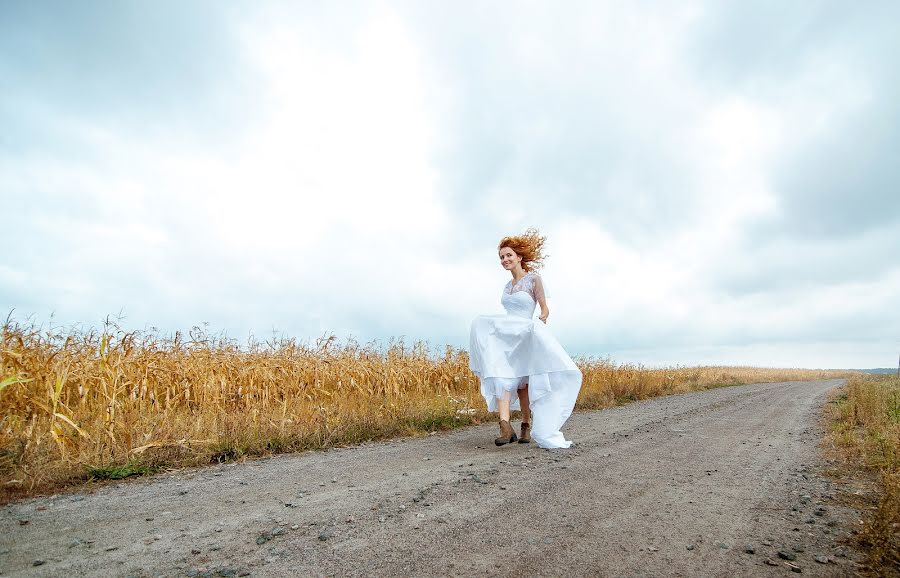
673 486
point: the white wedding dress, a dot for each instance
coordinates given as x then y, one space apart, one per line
506 350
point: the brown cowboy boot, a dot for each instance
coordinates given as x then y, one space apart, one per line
507 434
526 433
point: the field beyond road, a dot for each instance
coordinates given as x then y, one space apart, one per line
682 485
92 404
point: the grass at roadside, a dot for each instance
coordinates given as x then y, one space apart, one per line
866 427
104 403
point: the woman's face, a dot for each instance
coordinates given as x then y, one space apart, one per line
509 259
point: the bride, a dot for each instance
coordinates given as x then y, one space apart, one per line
513 352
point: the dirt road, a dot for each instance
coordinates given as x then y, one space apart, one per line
677 486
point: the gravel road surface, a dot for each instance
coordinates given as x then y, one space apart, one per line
727 482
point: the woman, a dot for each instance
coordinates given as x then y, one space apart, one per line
513 352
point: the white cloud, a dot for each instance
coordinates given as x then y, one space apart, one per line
379 151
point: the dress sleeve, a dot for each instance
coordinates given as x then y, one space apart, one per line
537 288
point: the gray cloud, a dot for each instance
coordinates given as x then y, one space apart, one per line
843 179
835 178
849 182
139 67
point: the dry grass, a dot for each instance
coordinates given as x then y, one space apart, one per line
867 427
107 403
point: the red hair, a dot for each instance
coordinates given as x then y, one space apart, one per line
529 246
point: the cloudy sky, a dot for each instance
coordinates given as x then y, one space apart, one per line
719 181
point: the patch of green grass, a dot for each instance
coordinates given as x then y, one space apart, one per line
627 398
117 472
719 384
276 445
439 422
226 454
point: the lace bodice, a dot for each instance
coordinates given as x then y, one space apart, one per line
522 298
530 282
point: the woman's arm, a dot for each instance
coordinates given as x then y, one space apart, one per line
541 298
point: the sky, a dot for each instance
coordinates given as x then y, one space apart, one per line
718 181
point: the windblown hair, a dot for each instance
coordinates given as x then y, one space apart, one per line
529 246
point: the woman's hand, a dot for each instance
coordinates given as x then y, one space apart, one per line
544 315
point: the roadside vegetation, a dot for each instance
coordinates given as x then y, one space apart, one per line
92 404
866 428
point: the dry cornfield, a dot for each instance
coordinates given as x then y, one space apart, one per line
106 403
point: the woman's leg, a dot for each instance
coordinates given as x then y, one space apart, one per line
525 407
507 435
503 405
523 403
